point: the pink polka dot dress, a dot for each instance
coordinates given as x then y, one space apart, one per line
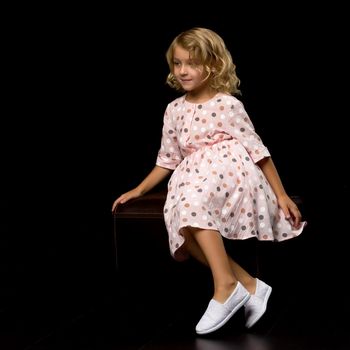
213 149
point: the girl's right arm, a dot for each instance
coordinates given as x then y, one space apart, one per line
157 175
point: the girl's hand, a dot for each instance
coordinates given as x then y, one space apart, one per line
290 210
134 193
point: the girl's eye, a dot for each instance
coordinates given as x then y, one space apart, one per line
196 64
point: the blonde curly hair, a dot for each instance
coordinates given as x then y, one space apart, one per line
209 49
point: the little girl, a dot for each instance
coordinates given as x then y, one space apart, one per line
223 181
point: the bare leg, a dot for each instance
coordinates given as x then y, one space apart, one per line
213 249
238 272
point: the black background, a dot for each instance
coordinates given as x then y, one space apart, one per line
82 124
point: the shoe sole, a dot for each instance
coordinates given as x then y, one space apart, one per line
225 320
266 299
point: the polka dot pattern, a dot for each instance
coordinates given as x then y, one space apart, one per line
213 149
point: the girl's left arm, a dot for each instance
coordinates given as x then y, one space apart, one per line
288 206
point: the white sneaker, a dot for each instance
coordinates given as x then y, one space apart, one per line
217 314
256 305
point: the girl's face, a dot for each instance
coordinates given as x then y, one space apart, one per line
189 73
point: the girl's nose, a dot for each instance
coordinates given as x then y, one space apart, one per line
183 69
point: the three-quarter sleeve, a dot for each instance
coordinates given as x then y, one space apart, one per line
169 154
241 128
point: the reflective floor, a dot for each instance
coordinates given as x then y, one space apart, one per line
134 320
